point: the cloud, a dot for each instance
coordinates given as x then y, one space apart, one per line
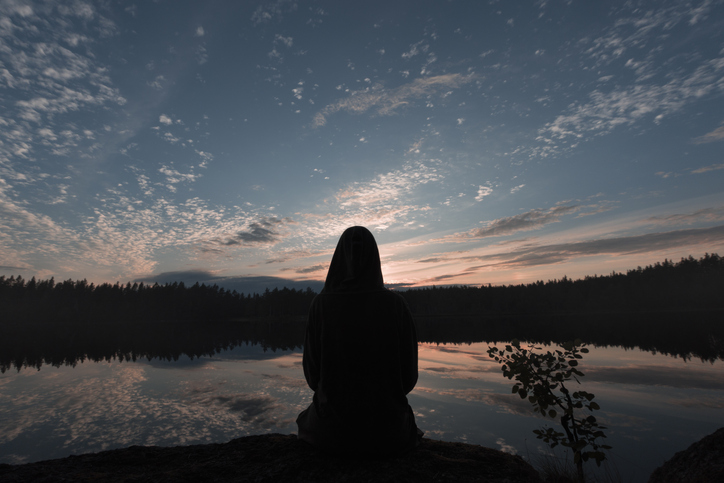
628 245
657 90
713 167
417 48
716 135
483 191
390 186
261 232
287 41
174 177
529 220
386 102
164 119
515 189
703 215
199 31
529 255
314 268
271 9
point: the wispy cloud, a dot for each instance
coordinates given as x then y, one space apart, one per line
656 92
550 254
530 220
386 102
708 215
270 9
389 186
705 169
716 135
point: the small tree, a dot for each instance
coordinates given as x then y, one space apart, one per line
542 379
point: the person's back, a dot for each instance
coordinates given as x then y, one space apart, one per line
360 357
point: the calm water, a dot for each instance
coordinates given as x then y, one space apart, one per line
653 405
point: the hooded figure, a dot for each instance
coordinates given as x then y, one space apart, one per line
360 357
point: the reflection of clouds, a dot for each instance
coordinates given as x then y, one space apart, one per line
505 447
479 354
457 372
439 369
255 408
651 375
706 402
291 361
620 420
252 409
99 406
286 381
509 403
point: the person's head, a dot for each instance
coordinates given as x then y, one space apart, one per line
356 263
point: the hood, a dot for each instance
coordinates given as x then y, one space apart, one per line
356 263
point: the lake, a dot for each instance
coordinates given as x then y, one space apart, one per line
653 405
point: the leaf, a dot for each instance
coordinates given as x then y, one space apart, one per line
515 389
594 406
552 414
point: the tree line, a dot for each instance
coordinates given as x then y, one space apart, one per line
70 300
689 284
685 285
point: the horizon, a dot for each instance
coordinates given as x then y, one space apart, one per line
258 285
481 143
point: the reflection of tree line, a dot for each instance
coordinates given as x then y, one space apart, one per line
67 343
673 308
699 335
683 334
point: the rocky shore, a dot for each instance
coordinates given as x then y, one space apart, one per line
276 458
284 458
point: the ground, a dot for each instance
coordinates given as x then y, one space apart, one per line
277 458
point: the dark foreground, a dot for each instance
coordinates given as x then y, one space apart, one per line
277 458
283 458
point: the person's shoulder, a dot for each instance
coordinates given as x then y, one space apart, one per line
394 295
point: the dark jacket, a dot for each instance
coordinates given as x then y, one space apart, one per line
360 357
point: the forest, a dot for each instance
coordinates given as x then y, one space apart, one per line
689 284
674 308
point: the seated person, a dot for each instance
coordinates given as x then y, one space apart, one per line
360 357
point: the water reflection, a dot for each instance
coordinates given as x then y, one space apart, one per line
653 405
55 412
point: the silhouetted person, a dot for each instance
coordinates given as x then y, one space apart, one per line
360 357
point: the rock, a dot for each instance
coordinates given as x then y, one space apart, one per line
702 462
277 458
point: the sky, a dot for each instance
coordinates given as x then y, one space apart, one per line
480 141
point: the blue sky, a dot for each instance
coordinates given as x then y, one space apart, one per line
481 142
